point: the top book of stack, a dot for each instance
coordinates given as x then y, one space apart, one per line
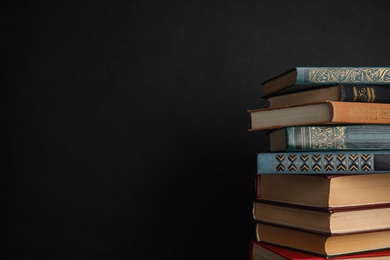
325 76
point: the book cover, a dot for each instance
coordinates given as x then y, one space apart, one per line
324 162
372 93
327 221
327 75
301 94
260 250
320 244
324 191
322 113
335 137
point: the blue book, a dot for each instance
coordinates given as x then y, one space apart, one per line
327 75
324 162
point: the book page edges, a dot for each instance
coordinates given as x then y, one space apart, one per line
285 107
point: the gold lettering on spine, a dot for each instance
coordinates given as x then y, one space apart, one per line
355 94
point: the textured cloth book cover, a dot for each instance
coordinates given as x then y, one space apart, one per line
322 162
337 137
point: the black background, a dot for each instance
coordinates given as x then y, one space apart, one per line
126 122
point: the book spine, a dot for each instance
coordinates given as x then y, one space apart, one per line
347 137
357 75
342 162
360 113
365 93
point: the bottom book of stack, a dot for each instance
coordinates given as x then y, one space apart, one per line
326 216
264 251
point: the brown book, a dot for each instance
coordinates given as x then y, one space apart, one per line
328 112
320 244
328 221
324 191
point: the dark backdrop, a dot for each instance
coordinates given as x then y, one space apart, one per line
126 124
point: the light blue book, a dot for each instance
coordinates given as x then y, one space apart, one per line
324 162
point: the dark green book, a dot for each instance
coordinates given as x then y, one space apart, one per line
330 137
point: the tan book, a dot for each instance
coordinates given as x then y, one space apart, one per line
341 220
320 244
324 191
328 112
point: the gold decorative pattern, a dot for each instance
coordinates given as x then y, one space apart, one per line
279 165
366 166
353 162
324 137
363 94
291 159
304 158
350 75
363 113
384 113
329 162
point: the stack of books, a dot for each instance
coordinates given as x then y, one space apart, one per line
323 186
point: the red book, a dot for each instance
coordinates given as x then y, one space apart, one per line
261 251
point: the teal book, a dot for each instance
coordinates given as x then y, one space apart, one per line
324 162
326 76
330 137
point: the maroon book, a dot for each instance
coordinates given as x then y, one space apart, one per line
260 250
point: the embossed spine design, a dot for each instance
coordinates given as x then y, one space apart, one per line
323 163
357 75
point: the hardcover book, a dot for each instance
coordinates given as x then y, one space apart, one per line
320 244
323 113
330 137
324 162
262 251
326 76
324 191
301 94
328 221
